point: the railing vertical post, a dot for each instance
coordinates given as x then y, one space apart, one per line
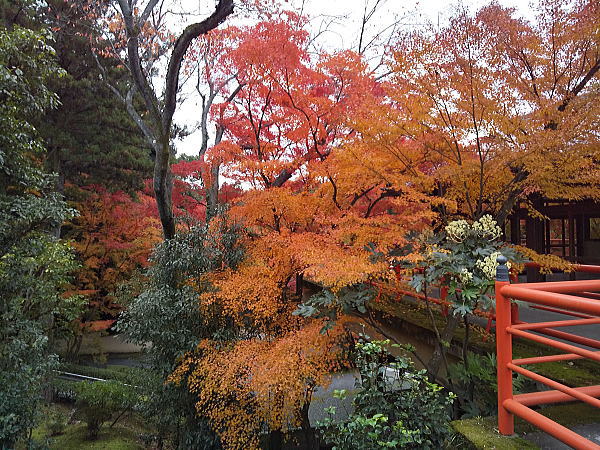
503 348
514 278
443 298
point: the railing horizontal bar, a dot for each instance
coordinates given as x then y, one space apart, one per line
556 385
570 337
583 304
543 359
437 301
564 287
565 336
579 304
582 268
586 268
561 311
78 376
556 344
555 396
556 324
549 426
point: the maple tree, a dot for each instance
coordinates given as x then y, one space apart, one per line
193 189
505 106
217 83
255 382
112 236
322 191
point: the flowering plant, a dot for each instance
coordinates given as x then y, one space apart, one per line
463 258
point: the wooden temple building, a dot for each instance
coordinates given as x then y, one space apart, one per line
571 230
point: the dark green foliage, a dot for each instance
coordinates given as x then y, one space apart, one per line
16 12
100 401
475 383
90 137
167 314
396 406
329 304
34 267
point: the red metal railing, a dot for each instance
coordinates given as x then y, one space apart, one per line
574 298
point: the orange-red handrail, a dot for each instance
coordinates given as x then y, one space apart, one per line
551 296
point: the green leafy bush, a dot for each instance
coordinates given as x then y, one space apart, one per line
396 406
35 267
475 383
100 401
56 424
166 313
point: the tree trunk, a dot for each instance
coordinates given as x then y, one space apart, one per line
163 187
212 193
309 435
441 347
160 117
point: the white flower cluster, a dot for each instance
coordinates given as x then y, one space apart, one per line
487 227
465 276
458 230
489 264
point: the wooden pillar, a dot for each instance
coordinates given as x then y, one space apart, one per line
299 284
515 230
580 236
534 236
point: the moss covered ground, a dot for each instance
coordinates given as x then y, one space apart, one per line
482 432
125 435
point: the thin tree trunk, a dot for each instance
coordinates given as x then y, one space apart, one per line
163 187
441 347
309 435
212 193
465 346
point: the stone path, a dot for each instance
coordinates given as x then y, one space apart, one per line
547 442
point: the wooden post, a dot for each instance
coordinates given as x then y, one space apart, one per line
299 284
503 349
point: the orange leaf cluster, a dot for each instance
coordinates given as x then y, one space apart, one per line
323 183
113 235
505 106
252 382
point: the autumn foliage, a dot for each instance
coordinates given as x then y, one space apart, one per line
329 165
245 385
113 236
504 106
320 190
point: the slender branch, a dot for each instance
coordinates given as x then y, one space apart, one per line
223 9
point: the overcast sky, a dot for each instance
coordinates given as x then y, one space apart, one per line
341 34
